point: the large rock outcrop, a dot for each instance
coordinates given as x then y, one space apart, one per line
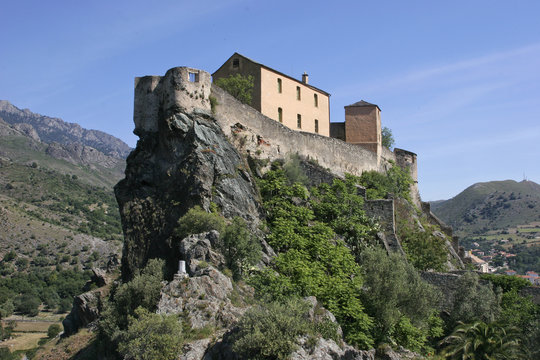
182 159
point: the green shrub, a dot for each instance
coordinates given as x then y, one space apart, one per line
473 301
395 181
53 330
506 282
143 291
151 336
197 221
271 331
293 170
240 248
394 293
213 104
423 249
10 256
238 85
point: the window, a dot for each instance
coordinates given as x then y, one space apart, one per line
236 63
280 114
298 93
299 121
279 86
193 76
315 100
316 125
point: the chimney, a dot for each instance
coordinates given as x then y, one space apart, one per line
305 78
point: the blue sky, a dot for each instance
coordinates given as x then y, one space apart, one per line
458 82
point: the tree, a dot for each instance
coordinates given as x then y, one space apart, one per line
396 298
387 137
53 330
239 246
481 341
151 336
473 301
28 304
239 86
197 221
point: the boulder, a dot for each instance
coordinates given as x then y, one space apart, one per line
85 310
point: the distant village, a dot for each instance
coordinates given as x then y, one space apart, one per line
498 256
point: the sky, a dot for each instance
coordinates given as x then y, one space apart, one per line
458 82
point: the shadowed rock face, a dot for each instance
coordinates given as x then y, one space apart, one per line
184 161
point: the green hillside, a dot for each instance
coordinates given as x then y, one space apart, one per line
494 205
499 221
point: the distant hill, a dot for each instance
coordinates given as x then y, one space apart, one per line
490 206
57 204
49 130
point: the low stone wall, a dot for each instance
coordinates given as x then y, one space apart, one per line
447 283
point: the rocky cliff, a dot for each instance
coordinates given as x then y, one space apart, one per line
182 159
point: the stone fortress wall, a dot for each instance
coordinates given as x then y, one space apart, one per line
257 134
260 137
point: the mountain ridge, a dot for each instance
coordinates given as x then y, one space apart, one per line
50 129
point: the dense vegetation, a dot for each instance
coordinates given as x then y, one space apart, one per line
328 248
25 292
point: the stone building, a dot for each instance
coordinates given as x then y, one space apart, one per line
296 104
362 126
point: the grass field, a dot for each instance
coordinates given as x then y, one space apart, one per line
27 334
23 341
34 327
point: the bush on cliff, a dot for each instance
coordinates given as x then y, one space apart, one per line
239 86
197 221
151 336
395 182
143 291
238 245
271 331
399 301
423 249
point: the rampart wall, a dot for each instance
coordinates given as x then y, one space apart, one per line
267 138
448 284
189 89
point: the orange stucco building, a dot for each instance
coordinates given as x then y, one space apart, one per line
294 103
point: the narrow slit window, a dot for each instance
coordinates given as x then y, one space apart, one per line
279 89
193 77
298 96
316 126
299 121
236 63
280 114
316 100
